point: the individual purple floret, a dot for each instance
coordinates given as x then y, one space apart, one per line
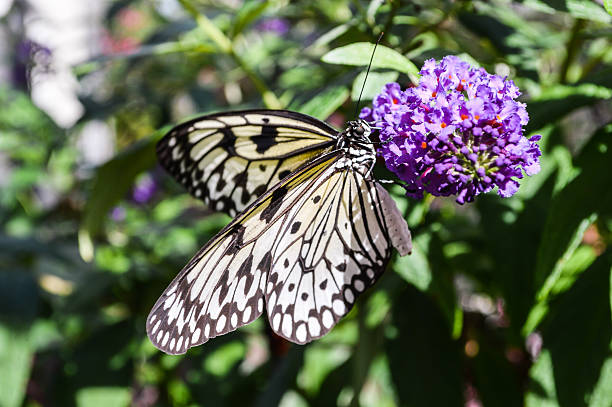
144 189
118 213
278 26
459 132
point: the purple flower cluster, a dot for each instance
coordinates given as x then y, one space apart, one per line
459 132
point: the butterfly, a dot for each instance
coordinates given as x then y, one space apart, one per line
312 229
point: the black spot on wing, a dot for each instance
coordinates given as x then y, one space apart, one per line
266 140
245 268
283 174
275 203
237 240
221 184
260 190
223 281
228 139
273 278
295 227
266 262
240 179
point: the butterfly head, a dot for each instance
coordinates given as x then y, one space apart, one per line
358 130
355 141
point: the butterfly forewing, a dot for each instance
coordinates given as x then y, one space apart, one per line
229 159
306 248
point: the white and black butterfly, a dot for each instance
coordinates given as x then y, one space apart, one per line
312 230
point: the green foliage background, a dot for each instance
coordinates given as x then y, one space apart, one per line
504 302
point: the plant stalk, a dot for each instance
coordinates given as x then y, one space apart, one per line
225 45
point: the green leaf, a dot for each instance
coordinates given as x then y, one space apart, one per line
608 6
602 392
374 84
490 27
377 308
585 89
283 376
194 41
112 259
425 362
221 361
559 100
359 54
497 381
574 208
325 103
577 335
319 361
15 363
588 10
103 396
553 268
511 234
249 11
19 296
114 179
415 268
542 392
581 259
331 35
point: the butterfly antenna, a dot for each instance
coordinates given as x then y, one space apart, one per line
367 73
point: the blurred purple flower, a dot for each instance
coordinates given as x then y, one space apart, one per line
29 53
459 132
144 189
533 344
118 213
274 25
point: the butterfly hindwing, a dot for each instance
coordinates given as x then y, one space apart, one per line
229 159
335 245
306 248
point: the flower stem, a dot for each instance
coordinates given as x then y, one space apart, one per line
225 45
573 45
364 16
593 62
391 16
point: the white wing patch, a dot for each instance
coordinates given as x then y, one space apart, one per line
308 247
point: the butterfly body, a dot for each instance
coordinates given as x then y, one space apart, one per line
312 231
